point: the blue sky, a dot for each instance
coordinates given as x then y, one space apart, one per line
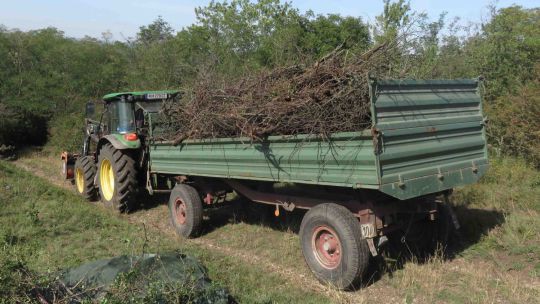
122 18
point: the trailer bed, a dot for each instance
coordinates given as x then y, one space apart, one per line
426 137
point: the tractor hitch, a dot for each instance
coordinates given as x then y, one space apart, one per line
68 164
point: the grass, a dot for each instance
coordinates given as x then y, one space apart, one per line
501 216
500 258
46 228
499 261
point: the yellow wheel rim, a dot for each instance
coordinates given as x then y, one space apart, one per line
79 180
106 179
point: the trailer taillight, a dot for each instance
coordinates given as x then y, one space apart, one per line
131 136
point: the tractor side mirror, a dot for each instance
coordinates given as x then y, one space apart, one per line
90 109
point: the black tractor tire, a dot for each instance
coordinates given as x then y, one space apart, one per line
186 210
85 186
333 246
125 187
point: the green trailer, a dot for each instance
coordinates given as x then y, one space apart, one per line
360 189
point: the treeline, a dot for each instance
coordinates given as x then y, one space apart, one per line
45 77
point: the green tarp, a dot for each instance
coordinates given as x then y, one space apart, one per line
159 278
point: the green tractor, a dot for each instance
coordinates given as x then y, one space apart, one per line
113 159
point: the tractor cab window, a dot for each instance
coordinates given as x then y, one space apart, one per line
121 117
139 118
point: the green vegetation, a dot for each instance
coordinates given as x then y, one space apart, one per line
509 200
46 77
45 228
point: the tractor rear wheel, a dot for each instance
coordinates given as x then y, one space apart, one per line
117 178
333 246
85 171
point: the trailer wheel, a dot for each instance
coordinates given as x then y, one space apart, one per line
85 171
446 233
117 178
185 208
333 246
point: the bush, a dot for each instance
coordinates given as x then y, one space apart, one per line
19 126
514 126
66 133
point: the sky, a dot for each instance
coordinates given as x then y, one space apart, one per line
122 18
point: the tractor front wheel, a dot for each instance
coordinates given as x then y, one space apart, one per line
85 171
117 178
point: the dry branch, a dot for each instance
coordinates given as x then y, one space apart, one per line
329 96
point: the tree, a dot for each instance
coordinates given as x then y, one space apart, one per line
325 33
507 49
395 17
155 32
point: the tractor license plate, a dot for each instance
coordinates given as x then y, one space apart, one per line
156 96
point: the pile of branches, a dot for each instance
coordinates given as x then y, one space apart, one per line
329 96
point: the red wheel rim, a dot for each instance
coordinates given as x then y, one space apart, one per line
180 211
326 247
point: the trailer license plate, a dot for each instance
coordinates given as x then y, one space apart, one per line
368 230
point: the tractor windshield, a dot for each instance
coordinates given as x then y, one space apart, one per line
122 117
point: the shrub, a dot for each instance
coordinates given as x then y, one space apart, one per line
19 126
514 126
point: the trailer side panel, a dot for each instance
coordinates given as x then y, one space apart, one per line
346 160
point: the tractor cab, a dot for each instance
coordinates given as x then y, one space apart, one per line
127 111
124 119
122 125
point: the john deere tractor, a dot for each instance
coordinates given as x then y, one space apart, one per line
113 158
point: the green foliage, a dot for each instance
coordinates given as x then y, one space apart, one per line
515 122
510 185
395 17
46 77
19 125
157 31
242 33
66 133
322 34
507 49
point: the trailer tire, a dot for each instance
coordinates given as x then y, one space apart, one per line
333 246
117 178
185 208
85 171
446 233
